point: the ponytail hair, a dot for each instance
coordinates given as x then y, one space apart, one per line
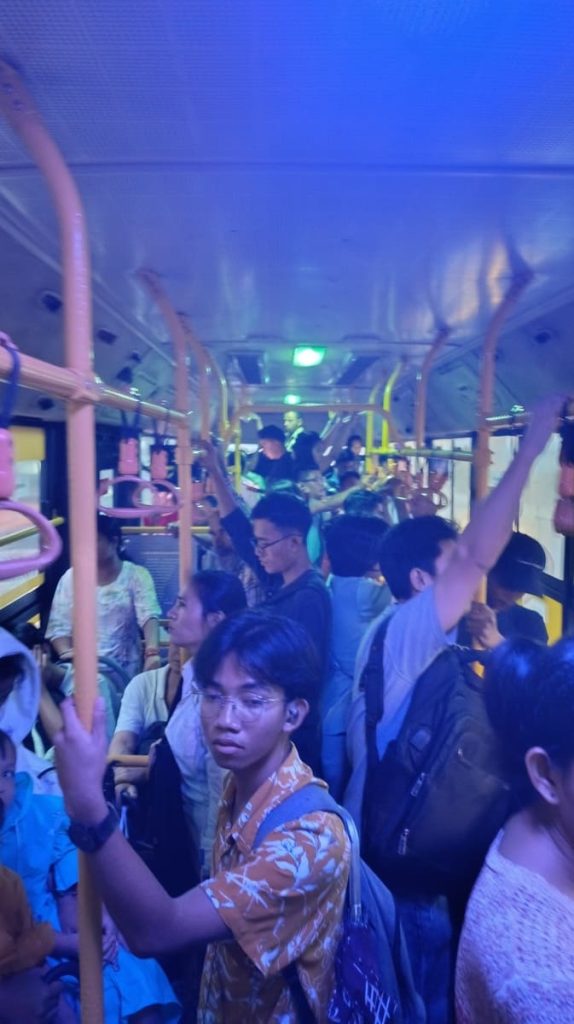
529 694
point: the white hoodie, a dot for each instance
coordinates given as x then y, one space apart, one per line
18 716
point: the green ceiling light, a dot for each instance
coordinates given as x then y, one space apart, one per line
292 399
308 355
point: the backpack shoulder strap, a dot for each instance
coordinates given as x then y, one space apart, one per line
372 685
308 799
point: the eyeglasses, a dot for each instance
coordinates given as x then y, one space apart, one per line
247 709
262 545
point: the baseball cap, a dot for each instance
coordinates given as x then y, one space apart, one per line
521 564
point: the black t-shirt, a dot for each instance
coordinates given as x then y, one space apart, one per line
275 469
515 623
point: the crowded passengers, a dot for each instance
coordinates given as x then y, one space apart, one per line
354 667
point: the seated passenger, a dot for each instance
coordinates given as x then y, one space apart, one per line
432 575
358 596
126 605
183 756
57 682
34 843
515 960
26 996
274 544
268 906
19 707
517 572
146 704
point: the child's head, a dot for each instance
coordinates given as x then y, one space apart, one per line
7 772
257 675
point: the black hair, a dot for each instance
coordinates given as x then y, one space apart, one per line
345 456
413 544
353 437
351 476
109 527
271 433
273 649
218 591
529 694
7 745
12 666
302 468
303 448
363 503
286 511
354 544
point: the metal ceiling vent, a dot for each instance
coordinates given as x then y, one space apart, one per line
355 369
249 364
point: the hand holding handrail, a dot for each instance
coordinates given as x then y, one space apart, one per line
50 541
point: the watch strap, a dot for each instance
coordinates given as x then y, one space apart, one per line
91 838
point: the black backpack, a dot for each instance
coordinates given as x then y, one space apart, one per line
436 799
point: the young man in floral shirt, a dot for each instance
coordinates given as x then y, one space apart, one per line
263 909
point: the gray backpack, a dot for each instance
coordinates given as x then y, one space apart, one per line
373 979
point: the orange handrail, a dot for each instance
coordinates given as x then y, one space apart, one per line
20 111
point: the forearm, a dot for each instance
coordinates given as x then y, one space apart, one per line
332 502
138 904
225 497
50 717
491 523
151 634
62 644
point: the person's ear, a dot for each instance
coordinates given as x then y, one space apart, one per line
214 618
543 775
295 713
419 580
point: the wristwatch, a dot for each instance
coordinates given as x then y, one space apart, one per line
91 838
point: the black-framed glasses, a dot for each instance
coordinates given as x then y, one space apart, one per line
262 545
247 709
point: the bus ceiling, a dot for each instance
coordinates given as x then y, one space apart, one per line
355 176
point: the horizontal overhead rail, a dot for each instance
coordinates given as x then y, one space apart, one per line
59 382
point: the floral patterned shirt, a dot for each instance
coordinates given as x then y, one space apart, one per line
283 902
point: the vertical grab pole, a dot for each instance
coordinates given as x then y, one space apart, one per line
203 363
422 387
387 398
486 392
370 429
20 111
221 384
184 454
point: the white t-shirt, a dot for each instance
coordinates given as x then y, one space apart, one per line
123 606
143 702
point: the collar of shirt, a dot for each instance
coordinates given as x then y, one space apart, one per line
291 776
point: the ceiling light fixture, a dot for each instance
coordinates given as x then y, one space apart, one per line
308 355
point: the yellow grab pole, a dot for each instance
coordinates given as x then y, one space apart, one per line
387 398
20 111
183 454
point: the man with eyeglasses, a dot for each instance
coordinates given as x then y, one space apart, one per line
274 544
274 902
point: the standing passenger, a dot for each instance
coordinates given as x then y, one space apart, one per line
293 424
433 575
126 604
516 955
267 907
274 543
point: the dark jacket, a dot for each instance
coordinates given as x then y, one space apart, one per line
306 600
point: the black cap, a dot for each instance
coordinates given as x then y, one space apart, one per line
521 565
271 433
